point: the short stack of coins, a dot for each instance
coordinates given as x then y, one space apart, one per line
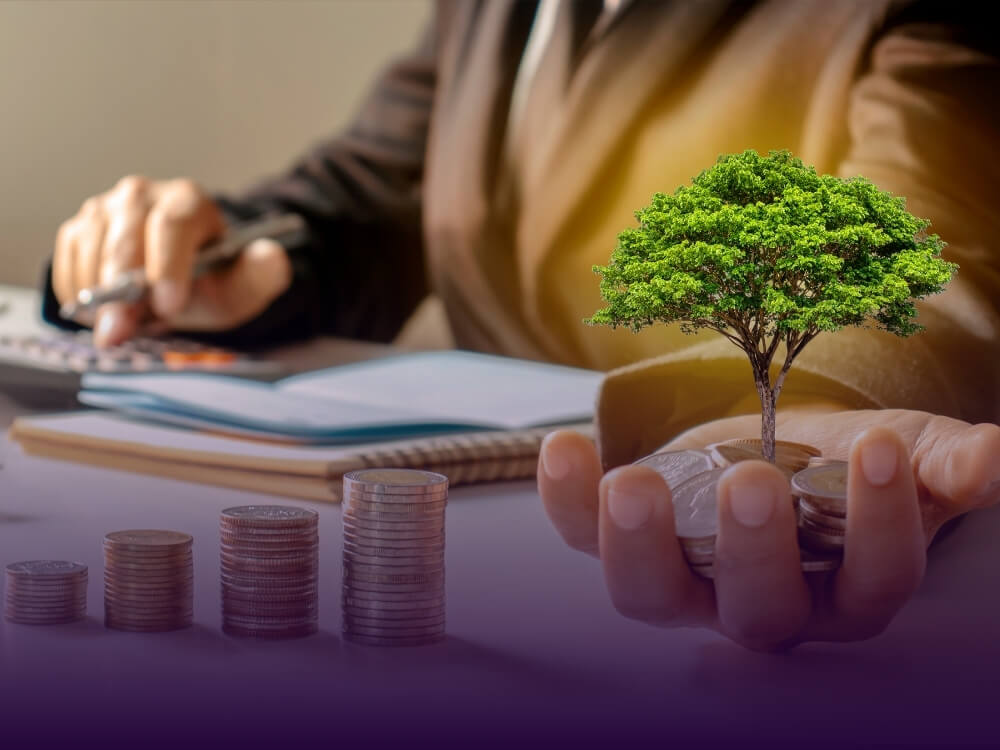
148 580
822 494
393 587
270 571
46 592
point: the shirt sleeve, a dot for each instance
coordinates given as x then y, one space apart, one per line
923 123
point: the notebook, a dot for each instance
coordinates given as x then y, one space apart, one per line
411 394
472 417
310 472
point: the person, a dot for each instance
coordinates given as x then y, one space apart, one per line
496 164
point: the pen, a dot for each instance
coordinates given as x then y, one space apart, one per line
133 285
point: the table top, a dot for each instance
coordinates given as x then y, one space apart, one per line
535 650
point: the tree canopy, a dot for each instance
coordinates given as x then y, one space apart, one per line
763 249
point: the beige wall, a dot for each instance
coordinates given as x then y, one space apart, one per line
222 91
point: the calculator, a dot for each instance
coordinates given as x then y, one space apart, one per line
57 361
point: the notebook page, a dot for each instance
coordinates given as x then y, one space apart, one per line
461 387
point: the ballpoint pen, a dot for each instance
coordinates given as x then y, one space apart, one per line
132 286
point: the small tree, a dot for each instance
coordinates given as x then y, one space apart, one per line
766 252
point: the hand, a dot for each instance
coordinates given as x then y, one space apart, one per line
161 226
909 472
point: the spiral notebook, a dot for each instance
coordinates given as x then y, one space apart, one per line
308 472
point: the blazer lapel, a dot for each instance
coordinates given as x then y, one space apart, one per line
631 59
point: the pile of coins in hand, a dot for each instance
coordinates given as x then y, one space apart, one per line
270 571
819 486
46 592
148 580
393 587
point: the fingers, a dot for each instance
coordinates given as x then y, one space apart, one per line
89 242
227 298
884 553
64 262
647 576
762 597
126 208
569 471
958 463
182 219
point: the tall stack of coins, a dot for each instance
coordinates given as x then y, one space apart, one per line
270 571
393 588
822 494
46 592
148 580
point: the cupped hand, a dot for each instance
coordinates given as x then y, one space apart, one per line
161 226
909 472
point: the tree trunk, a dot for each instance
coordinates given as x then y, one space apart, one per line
767 414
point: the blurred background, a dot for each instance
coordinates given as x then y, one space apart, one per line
223 91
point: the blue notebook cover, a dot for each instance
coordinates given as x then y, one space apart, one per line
404 395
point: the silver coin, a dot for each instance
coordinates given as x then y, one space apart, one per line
270 516
141 540
420 541
380 536
426 503
696 506
827 482
676 467
816 516
428 592
354 610
357 558
379 577
387 550
393 481
413 632
46 569
351 599
390 625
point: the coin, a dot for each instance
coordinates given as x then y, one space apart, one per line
824 461
696 506
827 482
59 569
393 481
269 516
261 633
390 625
391 512
383 535
141 540
387 550
833 522
415 631
428 503
677 467
354 610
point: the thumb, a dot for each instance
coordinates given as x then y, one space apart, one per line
230 297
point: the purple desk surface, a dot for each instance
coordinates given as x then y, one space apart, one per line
535 650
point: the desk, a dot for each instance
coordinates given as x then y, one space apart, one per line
535 650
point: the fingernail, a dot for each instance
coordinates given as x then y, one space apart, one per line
556 466
752 503
629 507
879 459
167 297
105 328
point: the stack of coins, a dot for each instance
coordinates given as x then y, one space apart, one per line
393 588
46 592
822 494
270 571
148 581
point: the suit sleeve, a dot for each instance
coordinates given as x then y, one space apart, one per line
923 123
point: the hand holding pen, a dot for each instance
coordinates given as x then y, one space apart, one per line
159 252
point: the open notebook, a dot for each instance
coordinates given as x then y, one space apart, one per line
406 395
248 436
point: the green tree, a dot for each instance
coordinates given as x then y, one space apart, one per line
767 252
